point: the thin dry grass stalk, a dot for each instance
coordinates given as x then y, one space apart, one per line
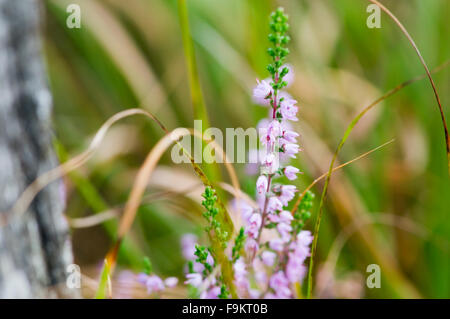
438 100
318 179
25 199
341 144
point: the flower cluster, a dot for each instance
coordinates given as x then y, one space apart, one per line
274 266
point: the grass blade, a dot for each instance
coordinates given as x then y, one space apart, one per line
438 100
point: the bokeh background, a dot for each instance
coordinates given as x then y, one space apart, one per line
390 208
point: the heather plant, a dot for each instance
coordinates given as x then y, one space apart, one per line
269 252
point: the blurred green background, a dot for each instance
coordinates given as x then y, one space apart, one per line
390 208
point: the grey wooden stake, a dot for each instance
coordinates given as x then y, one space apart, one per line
35 248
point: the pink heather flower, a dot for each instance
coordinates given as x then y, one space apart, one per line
286 217
285 231
291 149
261 184
289 136
239 268
240 275
255 219
262 92
212 293
269 133
276 244
287 194
274 218
305 238
252 229
268 258
194 279
171 282
243 207
301 246
274 204
291 172
154 284
288 109
280 284
251 246
270 163
295 270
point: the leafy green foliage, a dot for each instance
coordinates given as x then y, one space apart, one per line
148 267
238 244
211 216
304 212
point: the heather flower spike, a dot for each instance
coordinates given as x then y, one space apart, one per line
274 265
264 264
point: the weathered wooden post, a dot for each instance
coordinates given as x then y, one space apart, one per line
35 248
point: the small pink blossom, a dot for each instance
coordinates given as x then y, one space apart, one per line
276 244
194 279
261 184
274 204
288 109
270 163
269 133
291 172
291 149
280 284
251 246
287 194
243 207
274 218
289 136
254 223
305 238
268 258
295 270
154 284
262 92
286 217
